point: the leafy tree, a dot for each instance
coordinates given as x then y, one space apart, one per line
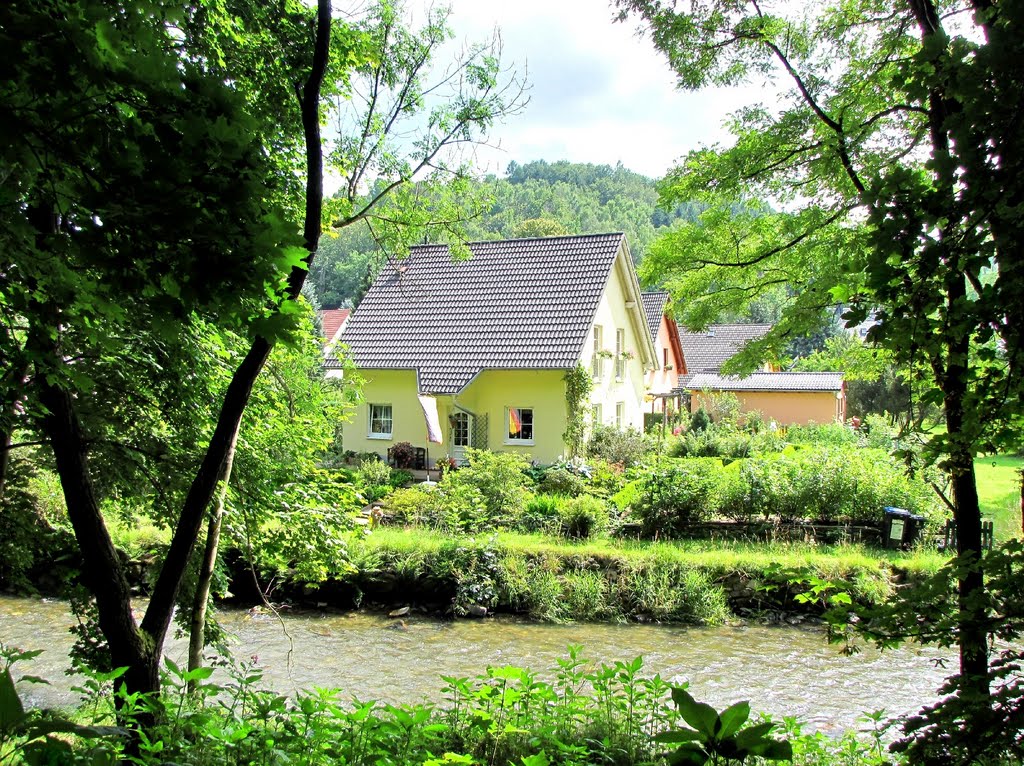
151 195
896 156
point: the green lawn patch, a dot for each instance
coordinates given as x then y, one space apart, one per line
998 479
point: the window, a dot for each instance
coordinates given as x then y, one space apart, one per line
664 359
620 414
380 421
597 415
460 429
597 363
520 425
620 346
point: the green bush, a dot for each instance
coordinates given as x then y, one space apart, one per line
456 506
676 494
823 434
373 472
406 506
541 513
499 477
583 517
700 420
627 447
561 481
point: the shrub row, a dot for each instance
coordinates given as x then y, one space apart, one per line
813 484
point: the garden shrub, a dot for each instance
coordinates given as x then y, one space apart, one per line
456 506
823 434
399 478
583 517
700 420
406 506
499 477
615 445
605 478
677 494
541 513
373 472
561 481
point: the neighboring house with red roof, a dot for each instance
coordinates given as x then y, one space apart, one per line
333 322
662 381
788 398
474 353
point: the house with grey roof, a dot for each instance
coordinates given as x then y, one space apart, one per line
788 398
458 353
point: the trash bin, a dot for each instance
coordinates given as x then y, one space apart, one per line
915 529
895 526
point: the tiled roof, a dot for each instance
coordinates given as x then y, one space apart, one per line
767 381
654 308
514 304
331 320
708 351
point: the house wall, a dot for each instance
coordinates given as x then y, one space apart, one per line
394 387
490 394
662 380
494 391
788 407
612 314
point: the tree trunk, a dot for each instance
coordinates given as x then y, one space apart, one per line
129 646
197 628
971 606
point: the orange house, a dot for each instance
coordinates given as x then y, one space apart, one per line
788 398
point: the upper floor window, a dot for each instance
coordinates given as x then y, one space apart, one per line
520 425
620 346
381 422
597 362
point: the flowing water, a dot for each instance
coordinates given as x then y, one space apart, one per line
781 670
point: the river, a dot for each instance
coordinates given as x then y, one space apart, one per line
781 670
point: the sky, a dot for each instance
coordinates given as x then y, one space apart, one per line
599 93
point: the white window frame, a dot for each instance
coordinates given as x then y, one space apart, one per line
370 433
533 432
597 414
620 346
620 414
597 363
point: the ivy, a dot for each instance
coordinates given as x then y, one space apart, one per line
578 386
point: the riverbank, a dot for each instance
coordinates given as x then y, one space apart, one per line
551 579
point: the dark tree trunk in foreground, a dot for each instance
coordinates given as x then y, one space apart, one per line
139 646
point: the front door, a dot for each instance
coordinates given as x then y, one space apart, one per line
462 435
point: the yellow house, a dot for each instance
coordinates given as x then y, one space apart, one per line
474 353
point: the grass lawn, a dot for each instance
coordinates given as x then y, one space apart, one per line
999 492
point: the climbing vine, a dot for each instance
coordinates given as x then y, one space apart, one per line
577 394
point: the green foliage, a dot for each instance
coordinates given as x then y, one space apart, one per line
583 517
626 447
578 385
675 495
373 472
700 420
541 513
561 481
720 738
499 477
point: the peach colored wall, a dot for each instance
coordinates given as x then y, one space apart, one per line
661 381
788 407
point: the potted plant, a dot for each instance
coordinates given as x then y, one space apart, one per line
403 455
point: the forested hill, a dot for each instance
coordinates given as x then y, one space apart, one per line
535 199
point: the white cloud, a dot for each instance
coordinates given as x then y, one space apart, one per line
599 92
